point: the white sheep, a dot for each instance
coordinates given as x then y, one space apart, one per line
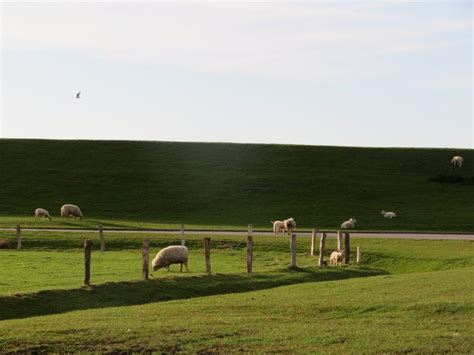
278 226
42 213
336 257
174 254
71 210
290 224
350 224
388 215
457 161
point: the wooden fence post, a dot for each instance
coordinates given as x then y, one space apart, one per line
87 262
347 248
183 240
18 237
358 260
207 254
313 241
322 244
293 251
249 253
145 259
339 240
102 240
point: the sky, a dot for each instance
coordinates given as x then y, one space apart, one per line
367 73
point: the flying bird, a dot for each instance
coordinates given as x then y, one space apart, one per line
78 95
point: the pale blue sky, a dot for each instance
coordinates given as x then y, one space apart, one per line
319 73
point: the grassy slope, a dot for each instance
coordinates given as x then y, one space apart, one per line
423 312
152 183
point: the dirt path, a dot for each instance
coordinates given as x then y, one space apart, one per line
357 234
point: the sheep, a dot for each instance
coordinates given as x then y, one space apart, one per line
388 215
349 224
290 224
41 212
278 226
457 161
174 254
336 257
71 210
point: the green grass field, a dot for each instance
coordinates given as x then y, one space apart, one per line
156 184
406 296
418 313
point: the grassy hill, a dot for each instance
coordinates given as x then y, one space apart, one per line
122 183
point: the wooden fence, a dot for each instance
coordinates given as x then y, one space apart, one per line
341 239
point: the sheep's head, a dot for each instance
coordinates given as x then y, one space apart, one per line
383 212
157 264
353 220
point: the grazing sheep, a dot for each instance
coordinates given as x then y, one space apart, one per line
71 210
336 257
41 212
350 224
174 254
290 224
388 215
278 226
457 161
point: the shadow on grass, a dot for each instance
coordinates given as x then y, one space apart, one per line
172 288
453 179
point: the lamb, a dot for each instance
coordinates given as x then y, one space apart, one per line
350 224
41 212
174 254
457 161
290 224
71 210
278 226
336 257
388 215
